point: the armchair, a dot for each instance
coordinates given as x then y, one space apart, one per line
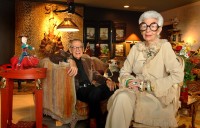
59 92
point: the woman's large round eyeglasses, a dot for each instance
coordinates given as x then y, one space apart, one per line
153 26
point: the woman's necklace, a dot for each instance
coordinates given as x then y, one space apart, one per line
150 51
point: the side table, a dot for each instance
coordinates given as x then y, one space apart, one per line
192 104
7 93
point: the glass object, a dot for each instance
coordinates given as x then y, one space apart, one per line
184 93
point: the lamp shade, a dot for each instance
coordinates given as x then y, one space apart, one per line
67 26
132 37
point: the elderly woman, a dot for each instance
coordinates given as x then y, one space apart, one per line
147 96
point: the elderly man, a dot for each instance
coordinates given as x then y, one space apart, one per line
91 87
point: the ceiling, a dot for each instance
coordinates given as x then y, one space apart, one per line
135 5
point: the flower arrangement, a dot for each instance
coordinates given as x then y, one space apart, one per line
191 60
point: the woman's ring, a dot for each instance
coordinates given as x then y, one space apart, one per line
134 83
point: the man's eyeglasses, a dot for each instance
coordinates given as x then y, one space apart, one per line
76 48
153 26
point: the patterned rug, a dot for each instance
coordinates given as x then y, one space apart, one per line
27 87
185 120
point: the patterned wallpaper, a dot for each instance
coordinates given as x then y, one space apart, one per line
33 20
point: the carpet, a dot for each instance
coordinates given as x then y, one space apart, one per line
27 87
185 120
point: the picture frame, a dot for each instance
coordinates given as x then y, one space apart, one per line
119 32
103 33
90 33
119 49
104 48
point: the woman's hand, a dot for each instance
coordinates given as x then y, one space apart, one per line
73 70
111 85
134 84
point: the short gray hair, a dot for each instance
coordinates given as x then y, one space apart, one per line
152 14
74 40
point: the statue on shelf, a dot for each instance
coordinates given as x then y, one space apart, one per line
175 22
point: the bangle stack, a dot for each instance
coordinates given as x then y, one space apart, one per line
148 86
145 86
126 84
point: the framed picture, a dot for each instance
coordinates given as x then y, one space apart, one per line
104 48
90 31
119 49
120 32
103 34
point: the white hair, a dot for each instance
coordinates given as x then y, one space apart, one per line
152 14
75 40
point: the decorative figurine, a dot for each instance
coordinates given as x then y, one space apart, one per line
25 47
25 60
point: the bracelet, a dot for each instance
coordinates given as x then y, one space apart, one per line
148 86
126 84
145 86
141 86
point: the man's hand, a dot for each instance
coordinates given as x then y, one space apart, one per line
111 85
73 70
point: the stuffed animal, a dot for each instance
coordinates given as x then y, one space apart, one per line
113 70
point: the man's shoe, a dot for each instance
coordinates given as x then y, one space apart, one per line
93 123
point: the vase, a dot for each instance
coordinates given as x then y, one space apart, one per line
184 93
